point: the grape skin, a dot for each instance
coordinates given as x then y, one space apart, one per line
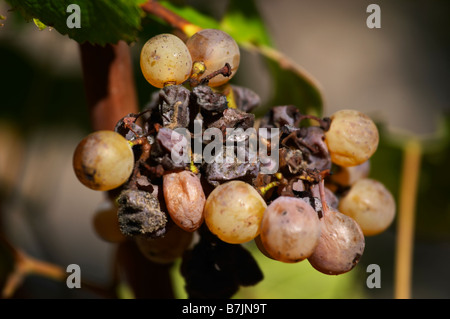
164 60
214 48
103 160
352 138
341 244
185 199
290 229
370 204
233 212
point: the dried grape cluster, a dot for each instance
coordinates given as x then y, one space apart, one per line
308 198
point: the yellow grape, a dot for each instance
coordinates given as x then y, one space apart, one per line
165 59
370 204
233 212
352 138
103 160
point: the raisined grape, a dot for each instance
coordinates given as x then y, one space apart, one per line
341 244
233 212
352 138
140 214
290 229
214 48
165 59
370 204
103 160
185 199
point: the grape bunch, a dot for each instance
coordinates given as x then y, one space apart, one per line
317 205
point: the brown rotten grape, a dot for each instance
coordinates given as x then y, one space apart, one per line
185 199
103 160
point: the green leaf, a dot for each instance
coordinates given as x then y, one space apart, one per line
292 84
41 26
192 15
243 22
101 21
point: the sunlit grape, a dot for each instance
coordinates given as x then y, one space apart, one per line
370 204
103 160
233 212
214 48
165 59
352 138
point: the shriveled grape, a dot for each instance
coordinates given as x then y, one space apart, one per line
214 48
340 246
165 59
103 160
233 212
352 138
370 204
185 199
140 214
290 229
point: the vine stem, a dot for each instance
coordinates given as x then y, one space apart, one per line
25 265
406 219
177 22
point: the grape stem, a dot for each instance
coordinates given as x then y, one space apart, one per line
225 71
325 208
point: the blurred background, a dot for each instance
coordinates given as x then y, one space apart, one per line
398 75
